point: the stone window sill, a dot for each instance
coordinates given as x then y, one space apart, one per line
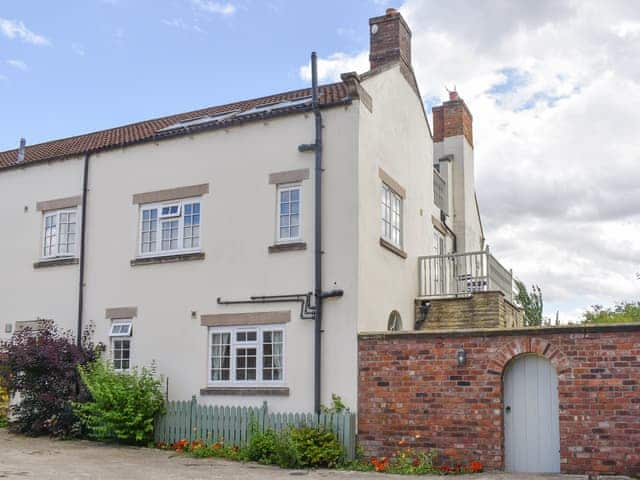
246 391
179 257
392 248
56 262
287 247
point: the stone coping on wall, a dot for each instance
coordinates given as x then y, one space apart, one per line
492 332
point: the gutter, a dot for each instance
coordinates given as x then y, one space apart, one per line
83 230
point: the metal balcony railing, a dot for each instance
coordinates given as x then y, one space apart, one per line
463 274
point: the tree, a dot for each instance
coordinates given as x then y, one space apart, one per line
531 302
42 366
623 312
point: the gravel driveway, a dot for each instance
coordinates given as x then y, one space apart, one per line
42 458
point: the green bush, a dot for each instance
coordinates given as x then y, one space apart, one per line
302 447
123 405
263 446
316 447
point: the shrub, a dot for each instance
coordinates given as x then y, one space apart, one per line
263 446
316 447
123 405
41 366
301 447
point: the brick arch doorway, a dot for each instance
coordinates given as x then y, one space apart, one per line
531 415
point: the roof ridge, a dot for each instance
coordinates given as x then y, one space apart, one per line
164 117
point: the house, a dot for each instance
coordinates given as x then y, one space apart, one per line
192 241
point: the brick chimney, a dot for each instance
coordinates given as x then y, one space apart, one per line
452 118
390 39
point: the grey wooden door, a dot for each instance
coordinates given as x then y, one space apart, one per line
531 421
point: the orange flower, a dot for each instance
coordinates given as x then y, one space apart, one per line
475 466
380 465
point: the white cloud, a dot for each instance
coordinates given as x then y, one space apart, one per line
553 87
78 49
209 6
180 24
330 68
18 64
15 29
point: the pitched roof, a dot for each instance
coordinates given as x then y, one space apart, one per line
335 93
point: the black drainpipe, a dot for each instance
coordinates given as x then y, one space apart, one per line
318 234
85 183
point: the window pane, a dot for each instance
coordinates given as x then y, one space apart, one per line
66 237
272 355
220 356
191 232
246 363
148 233
170 235
121 354
289 213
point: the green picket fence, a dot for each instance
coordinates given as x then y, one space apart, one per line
188 420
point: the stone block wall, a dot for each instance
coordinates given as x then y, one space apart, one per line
479 310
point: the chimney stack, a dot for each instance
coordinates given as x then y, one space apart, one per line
21 150
452 118
390 39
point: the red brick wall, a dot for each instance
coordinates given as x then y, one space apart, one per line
410 384
392 40
452 118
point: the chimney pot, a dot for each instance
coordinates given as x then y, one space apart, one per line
391 11
453 95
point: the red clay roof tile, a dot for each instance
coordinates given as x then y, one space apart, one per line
146 130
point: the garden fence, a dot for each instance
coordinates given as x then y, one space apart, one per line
188 420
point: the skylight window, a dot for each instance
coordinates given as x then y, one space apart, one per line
192 122
267 107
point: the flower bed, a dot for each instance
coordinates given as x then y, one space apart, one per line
406 460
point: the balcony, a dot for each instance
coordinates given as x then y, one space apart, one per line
462 274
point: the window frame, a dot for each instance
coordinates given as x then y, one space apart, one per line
400 227
234 344
130 350
118 323
288 187
121 336
161 220
57 213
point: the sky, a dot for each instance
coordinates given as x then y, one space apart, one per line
553 85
